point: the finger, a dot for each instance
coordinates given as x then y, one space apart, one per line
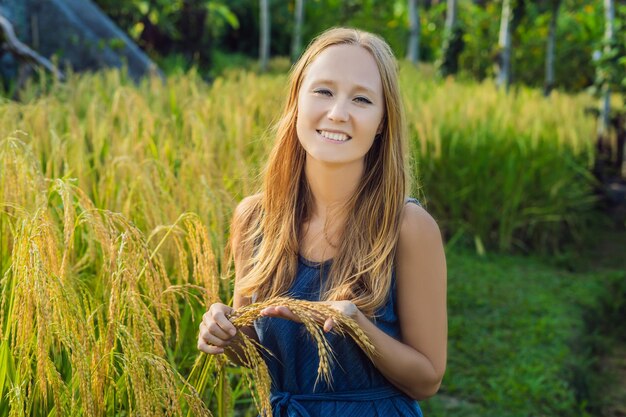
209 349
215 329
224 324
280 312
211 339
329 324
287 313
268 312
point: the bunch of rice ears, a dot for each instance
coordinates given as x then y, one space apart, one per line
312 316
87 309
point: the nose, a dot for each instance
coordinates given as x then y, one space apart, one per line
338 111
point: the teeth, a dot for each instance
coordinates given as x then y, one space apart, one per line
334 136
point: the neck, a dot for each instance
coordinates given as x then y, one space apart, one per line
332 185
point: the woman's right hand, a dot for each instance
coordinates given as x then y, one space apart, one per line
216 331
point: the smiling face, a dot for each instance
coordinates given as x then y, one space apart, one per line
340 105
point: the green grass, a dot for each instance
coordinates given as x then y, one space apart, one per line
522 339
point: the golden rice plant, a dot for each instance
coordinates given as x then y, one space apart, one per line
250 353
87 307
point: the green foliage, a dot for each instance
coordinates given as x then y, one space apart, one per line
197 30
173 26
520 337
580 26
611 64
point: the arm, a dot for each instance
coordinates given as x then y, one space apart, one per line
416 364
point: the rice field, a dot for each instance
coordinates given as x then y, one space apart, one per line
115 201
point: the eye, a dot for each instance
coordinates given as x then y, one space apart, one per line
323 92
363 100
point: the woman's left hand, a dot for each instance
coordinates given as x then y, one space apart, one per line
347 308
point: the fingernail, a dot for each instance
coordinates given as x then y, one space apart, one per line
232 332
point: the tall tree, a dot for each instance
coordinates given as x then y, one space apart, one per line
550 48
413 51
264 38
503 78
452 41
296 41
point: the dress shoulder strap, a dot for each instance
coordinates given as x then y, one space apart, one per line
413 200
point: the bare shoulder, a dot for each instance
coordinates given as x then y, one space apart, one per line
417 229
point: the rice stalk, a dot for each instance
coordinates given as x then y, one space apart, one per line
63 344
43 320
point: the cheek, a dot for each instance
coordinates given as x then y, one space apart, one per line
299 127
306 115
378 126
300 116
371 124
305 109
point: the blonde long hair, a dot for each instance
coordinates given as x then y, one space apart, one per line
362 268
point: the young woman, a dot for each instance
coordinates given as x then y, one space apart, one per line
333 224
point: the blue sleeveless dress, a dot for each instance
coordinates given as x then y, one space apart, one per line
357 389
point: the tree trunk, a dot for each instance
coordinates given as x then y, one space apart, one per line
452 41
413 51
10 42
605 108
264 38
296 42
504 45
549 83
451 13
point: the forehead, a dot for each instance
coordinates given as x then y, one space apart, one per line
349 64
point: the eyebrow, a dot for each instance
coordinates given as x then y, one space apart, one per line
356 86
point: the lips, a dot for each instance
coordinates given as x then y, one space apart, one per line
336 136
